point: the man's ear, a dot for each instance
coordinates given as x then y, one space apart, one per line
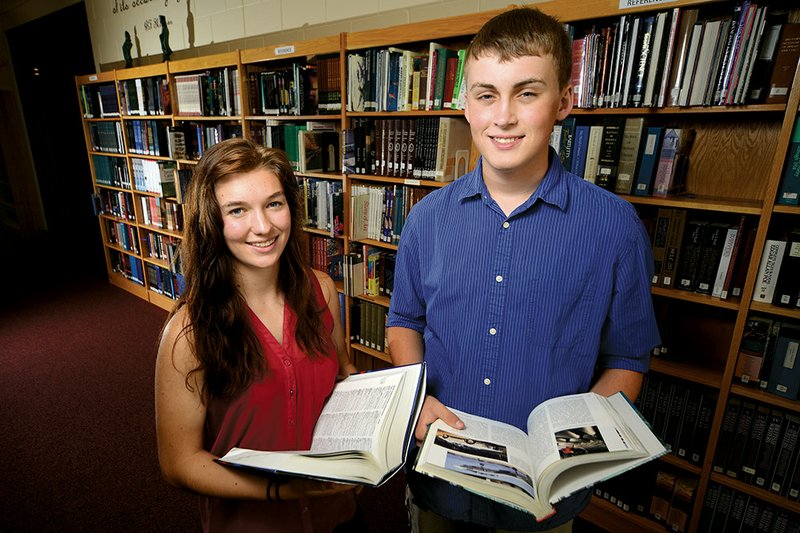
565 104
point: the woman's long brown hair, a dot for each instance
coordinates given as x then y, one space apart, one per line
218 326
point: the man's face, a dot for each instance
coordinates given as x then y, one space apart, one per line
511 108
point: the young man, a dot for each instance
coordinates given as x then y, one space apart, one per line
518 282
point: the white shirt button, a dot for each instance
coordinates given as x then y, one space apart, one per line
487 381
506 225
492 331
498 279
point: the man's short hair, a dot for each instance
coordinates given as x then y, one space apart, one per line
523 32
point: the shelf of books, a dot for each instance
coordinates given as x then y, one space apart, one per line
292 101
113 195
688 110
404 136
704 183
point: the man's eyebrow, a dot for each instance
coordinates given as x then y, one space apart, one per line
517 85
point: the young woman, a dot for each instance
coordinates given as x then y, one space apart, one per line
252 349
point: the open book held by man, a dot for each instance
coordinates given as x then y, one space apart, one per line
572 442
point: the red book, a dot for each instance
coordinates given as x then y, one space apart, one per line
449 81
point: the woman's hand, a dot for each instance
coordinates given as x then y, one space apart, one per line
307 488
345 370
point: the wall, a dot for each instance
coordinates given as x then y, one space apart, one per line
196 28
201 27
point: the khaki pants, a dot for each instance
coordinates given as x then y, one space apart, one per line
429 522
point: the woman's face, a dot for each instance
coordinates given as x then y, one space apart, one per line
256 217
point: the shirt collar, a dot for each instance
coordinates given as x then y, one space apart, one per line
552 190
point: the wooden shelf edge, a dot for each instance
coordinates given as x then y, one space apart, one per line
702 203
378 244
224 59
99 77
143 71
379 300
118 280
207 118
329 117
369 351
765 397
163 263
165 231
703 299
787 312
757 492
608 516
683 464
399 181
321 232
164 302
686 110
286 51
711 377
787 209
146 117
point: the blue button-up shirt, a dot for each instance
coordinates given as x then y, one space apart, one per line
518 309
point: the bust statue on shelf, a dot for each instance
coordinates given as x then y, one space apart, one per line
126 50
165 49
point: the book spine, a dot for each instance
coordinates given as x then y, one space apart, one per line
762 65
769 448
691 254
660 234
726 435
787 286
747 467
771 260
662 182
715 237
646 171
786 452
629 155
673 252
731 239
741 434
642 62
579 150
608 159
784 375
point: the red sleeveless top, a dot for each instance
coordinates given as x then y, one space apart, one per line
276 413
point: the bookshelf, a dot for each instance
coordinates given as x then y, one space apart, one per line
735 169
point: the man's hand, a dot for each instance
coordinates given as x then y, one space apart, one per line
432 410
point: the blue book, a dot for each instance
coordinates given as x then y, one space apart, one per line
137 273
643 186
784 377
579 146
789 193
393 85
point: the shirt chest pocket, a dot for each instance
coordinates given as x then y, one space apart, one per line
559 312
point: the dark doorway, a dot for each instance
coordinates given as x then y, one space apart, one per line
45 68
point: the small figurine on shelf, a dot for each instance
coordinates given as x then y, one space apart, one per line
126 50
165 49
